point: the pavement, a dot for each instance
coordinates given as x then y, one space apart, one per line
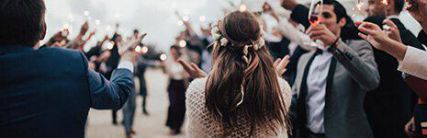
99 124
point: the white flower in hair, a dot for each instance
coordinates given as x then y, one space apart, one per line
245 49
261 43
224 42
256 46
216 36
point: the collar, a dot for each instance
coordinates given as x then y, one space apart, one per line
392 17
12 48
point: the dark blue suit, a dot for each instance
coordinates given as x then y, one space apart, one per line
47 93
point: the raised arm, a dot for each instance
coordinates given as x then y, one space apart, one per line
112 94
359 61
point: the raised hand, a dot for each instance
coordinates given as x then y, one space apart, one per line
289 4
393 32
131 44
280 65
381 40
373 34
192 69
322 33
84 28
410 128
131 56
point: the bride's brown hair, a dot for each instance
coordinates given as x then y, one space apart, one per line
239 87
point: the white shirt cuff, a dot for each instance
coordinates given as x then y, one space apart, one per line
414 63
126 65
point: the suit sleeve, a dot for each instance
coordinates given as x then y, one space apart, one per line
105 94
359 61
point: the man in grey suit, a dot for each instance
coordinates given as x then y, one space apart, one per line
332 80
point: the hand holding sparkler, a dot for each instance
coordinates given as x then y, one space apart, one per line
383 40
132 44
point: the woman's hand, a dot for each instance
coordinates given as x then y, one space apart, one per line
280 65
192 69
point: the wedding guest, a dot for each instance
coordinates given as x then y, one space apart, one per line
332 80
178 82
47 93
243 95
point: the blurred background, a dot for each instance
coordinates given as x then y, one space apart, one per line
159 19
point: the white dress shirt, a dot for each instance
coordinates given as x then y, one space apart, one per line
316 90
414 63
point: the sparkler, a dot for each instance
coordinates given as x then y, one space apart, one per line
243 8
182 43
202 18
66 26
138 49
110 45
97 22
87 15
163 57
144 49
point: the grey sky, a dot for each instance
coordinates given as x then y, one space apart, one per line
156 17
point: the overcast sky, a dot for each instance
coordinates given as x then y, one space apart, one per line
156 17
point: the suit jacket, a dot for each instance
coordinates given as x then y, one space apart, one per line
393 99
47 93
354 74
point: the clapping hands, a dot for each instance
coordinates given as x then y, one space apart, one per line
195 72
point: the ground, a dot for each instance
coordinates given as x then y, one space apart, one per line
152 126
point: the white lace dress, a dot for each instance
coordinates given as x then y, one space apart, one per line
201 124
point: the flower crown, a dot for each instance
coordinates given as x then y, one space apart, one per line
219 34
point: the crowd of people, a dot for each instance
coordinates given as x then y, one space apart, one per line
313 73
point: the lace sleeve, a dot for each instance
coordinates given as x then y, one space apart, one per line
286 91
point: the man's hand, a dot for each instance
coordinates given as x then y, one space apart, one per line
322 33
192 69
131 56
280 65
410 128
84 28
289 4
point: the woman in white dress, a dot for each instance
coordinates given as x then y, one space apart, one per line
243 95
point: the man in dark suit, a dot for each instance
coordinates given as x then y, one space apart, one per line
47 93
393 99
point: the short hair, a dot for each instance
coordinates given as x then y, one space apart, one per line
135 31
340 11
398 5
22 22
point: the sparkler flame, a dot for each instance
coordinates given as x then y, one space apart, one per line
385 2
